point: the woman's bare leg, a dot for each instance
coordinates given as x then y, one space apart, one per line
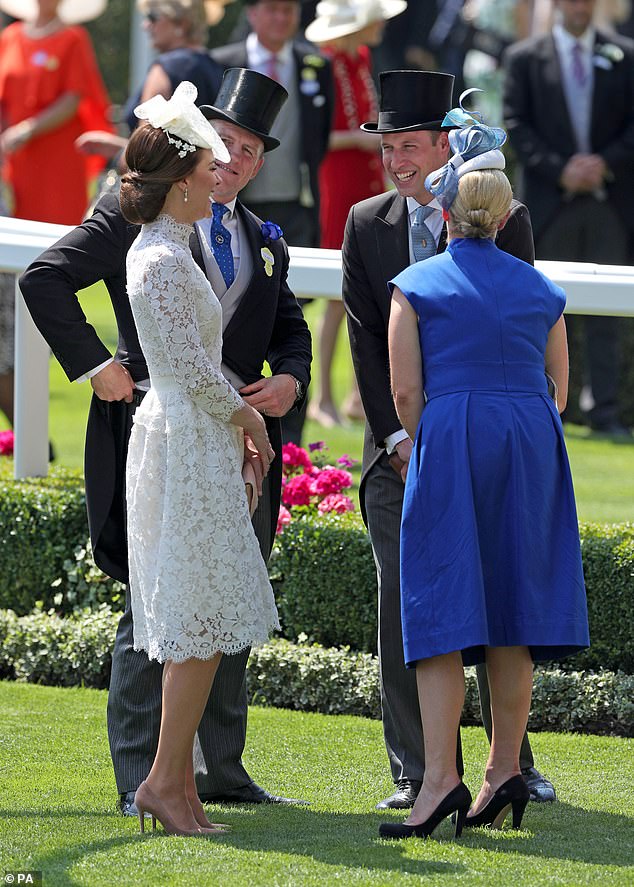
440 683
194 801
510 673
353 407
322 409
186 687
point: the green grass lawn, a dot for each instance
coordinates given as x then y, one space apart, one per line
603 470
58 813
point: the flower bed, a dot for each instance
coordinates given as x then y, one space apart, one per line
310 486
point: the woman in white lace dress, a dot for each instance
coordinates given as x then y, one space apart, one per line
198 583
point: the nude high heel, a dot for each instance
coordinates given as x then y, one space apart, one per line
147 802
205 824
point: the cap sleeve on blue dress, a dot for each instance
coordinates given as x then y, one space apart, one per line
407 281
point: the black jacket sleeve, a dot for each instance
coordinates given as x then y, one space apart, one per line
516 237
290 347
93 251
368 336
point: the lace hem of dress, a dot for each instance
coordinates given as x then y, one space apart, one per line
162 652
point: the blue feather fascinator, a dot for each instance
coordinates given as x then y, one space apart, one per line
475 146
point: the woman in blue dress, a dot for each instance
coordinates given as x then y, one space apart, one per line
490 556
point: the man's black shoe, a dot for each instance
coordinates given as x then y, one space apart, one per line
127 805
248 794
540 788
406 793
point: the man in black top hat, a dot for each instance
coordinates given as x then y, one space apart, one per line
377 246
261 322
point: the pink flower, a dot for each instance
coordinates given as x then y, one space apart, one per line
283 518
6 443
317 445
330 480
336 502
346 461
297 490
295 457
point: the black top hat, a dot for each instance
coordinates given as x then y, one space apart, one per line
412 100
250 100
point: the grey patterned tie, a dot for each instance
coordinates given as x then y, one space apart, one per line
423 243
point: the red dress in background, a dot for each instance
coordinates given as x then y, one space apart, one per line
348 175
48 176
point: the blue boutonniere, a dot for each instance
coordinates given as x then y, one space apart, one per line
271 231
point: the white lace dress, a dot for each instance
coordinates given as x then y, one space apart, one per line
197 579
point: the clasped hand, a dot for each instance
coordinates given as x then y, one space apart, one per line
583 174
113 382
273 396
252 458
400 456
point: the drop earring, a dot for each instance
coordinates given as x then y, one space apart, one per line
185 195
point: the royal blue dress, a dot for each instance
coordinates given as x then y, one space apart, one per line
490 552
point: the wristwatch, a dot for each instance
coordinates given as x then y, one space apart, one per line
299 389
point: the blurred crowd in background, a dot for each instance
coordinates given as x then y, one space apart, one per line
66 108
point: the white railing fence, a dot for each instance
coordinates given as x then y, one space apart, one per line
314 273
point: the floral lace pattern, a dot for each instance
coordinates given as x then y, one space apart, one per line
197 578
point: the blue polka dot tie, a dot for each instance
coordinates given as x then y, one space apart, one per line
423 243
221 243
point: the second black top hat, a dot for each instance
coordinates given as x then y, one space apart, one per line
250 100
412 100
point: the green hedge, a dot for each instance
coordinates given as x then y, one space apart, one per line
44 648
337 681
42 521
75 651
608 566
82 585
326 587
326 581
322 568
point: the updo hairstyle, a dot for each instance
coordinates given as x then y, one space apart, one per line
483 199
188 14
153 167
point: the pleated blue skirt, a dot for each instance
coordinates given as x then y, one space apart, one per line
490 551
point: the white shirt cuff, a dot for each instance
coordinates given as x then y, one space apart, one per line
96 370
392 439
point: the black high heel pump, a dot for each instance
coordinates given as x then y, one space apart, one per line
458 800
511 795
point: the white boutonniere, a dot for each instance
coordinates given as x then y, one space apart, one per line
606 55
269 260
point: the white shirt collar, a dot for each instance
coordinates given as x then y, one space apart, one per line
231 206
565 40
259 55
413 204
